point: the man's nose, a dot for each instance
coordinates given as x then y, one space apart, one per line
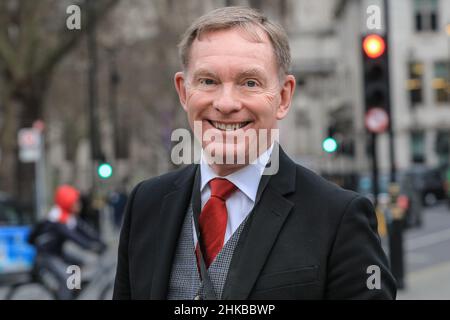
226 101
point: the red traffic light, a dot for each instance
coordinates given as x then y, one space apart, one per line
374 46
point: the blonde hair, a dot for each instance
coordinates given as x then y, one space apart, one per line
238 17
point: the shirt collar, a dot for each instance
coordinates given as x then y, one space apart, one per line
246 179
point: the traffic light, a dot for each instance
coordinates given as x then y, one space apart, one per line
105 170
329 145
376 72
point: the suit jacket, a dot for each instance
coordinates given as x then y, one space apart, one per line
306 239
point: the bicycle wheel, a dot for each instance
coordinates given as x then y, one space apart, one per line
29 291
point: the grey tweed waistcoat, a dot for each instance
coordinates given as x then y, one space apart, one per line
185 283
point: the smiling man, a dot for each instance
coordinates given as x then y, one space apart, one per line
236 89
229 228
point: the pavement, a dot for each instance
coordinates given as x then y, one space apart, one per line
427 257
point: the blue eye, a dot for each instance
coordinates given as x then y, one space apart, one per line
251 83
207 81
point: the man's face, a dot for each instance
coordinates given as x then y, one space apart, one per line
232 85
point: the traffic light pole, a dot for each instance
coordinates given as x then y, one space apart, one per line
373 151
396 252
379 119
393 171
41 186
92 90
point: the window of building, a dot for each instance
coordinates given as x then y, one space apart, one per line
425 15
440 81
414 83
418 146
443 146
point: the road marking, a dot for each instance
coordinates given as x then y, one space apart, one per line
428 283
428 240
441 268
417 258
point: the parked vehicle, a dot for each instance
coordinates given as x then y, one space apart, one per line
412 205
428 182
414 216
16 255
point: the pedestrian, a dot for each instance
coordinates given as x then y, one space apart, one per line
50 236
117 200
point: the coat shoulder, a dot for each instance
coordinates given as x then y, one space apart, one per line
158 187
166 182
309 180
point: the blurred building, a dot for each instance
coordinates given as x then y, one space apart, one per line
420 67
419 75
321 102
326 46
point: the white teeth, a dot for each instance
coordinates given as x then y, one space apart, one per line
228 127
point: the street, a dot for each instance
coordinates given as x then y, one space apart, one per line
427 254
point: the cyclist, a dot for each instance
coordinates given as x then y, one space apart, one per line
50 235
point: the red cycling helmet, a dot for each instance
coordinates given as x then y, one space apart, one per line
65 198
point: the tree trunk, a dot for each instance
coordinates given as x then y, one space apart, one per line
22 106
8 145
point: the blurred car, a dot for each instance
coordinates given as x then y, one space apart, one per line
428 182
364 185
16 255
445 174
409 198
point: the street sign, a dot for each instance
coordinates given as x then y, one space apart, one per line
377 120
29 144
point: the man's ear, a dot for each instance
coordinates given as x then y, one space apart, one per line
287 92
180 85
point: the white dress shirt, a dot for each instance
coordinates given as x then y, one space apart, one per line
242 201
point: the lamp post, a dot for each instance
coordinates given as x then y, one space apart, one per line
114 81
447 31
447 160
92 90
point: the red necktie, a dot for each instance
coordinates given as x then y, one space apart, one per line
213 219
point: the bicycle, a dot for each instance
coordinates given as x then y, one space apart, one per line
94 287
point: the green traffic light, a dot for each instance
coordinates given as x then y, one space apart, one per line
329 145
105 171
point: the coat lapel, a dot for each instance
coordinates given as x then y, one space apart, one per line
173 210
262 230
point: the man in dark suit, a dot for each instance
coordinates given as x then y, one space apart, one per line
238 229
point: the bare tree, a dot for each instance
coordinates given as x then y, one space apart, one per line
34 39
